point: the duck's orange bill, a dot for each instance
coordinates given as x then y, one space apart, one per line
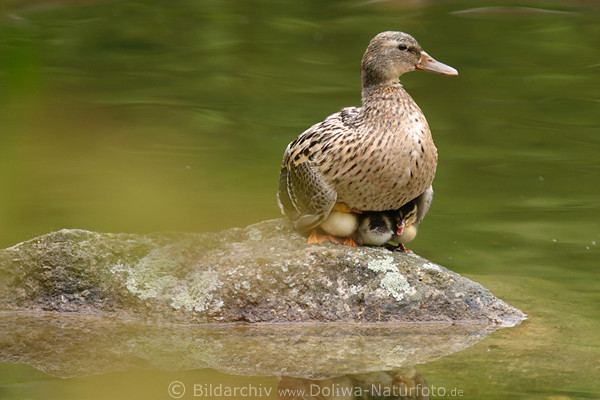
428 63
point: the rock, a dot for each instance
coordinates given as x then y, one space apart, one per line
69 344
263 273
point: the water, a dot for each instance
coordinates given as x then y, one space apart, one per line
141 117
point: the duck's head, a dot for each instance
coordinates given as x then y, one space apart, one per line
391 54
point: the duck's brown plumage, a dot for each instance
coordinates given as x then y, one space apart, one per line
372 158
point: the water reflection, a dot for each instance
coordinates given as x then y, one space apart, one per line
311 361
403 383
510 12
301 355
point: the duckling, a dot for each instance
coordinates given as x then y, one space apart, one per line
406 229
398 226
410 216
376 157
376 228
342 222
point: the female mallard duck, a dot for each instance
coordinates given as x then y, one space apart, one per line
377 157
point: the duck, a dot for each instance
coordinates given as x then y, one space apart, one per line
373 158
406 227
339 227
411 216
396 226
376 228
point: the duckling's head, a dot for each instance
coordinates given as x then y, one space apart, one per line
406 228
407 216
375 229
391 54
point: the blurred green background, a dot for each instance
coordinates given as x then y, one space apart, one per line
145 116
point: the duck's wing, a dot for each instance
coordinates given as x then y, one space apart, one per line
304 195
423 204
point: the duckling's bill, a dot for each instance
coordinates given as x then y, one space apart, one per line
430 64
400 226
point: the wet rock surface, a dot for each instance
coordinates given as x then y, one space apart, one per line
263 273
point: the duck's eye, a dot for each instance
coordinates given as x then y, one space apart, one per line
402 47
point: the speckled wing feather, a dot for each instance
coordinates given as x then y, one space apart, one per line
305 195
423 204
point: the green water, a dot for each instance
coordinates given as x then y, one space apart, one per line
150 116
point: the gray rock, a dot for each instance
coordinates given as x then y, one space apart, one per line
263 273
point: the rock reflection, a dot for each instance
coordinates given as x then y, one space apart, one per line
78 345
404 383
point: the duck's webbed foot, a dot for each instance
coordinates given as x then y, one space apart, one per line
349 242
341 240
403 249
316 238
393 246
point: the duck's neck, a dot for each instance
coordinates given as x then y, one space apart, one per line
389 90
374 77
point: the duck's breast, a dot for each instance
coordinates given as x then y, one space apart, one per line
390 160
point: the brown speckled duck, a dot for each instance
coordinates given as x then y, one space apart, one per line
377 157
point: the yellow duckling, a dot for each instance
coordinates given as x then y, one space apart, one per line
410 216
339 226
377 157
